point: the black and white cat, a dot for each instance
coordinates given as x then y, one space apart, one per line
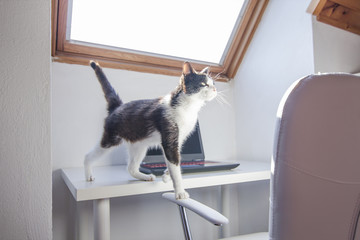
161 122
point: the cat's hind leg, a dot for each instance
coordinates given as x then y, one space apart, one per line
90 158
109 139
166 175
137 153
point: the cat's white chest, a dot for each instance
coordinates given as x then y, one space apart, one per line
186 117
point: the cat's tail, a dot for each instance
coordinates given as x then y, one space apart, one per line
111 96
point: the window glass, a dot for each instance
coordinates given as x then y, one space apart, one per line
189 29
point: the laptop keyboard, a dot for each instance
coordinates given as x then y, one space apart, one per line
163 165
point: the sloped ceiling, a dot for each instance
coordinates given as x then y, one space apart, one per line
344 14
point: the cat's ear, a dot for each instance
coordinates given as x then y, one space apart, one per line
187 69
205 71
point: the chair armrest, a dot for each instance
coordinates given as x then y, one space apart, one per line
204 211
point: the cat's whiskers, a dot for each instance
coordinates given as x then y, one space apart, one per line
217 76
220 98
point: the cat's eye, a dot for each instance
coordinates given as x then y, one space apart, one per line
204 84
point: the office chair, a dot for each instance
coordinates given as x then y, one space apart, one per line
315 182
315 185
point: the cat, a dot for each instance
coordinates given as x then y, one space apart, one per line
163 122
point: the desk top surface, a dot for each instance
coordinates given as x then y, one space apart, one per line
115 181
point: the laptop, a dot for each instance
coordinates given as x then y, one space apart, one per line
192 158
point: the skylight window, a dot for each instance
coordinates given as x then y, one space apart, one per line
195 30
155 36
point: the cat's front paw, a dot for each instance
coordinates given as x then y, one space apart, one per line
90 178
182 195
150 177
88 175
166 176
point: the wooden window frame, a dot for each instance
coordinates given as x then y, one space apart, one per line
73 52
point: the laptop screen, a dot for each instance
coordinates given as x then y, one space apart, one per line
192 149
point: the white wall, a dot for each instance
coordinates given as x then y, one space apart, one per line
25 156
335 50
78 110
288 44
280 53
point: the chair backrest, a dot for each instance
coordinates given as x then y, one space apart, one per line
315 187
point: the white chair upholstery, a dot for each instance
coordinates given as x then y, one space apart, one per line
315 188
315 183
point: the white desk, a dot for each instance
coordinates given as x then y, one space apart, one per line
115 181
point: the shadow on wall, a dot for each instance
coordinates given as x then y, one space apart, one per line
64 209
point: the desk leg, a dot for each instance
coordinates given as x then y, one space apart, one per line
83 220
101 219
225 209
